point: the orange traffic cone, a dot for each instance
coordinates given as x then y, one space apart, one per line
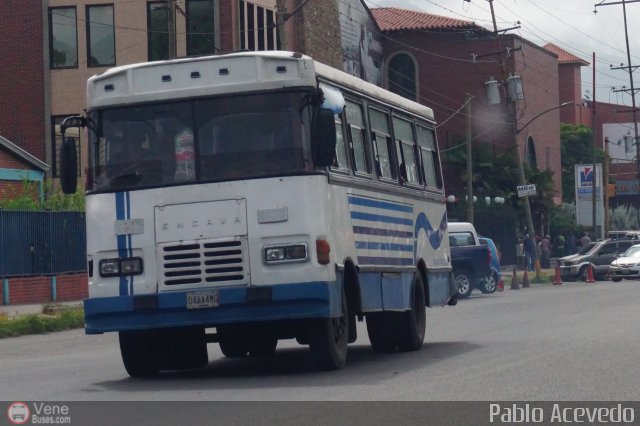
557 278
500 285
590 277
525 280
514 281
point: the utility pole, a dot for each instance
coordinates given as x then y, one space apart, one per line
630 69
523 179
281 18
469 162
594 175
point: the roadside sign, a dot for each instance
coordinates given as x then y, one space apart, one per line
526 190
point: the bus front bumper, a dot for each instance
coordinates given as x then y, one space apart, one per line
233 305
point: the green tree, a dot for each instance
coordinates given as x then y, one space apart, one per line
53 199
576 144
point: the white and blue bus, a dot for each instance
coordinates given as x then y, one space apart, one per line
252 197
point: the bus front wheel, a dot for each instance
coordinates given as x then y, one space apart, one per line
328 338
140 354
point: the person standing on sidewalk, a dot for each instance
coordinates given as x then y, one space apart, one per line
529 247
545 248
520 253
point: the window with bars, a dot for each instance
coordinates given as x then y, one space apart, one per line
258 29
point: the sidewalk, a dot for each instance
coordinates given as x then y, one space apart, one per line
546 274
11 311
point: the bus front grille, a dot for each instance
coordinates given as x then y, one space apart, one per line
204 262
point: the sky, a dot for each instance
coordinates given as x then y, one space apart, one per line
569 24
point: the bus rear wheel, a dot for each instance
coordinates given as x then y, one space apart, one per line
411 325
328 339
380 331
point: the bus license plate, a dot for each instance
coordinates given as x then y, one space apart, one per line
202 299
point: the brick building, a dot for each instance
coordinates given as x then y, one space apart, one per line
438 61
23 100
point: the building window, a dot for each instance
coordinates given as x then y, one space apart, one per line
57 143
201 27
257 27
530 154
402 76
101 40
63 38
158 32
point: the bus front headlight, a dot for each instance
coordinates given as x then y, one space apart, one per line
116 267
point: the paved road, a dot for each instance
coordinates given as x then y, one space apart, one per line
575 342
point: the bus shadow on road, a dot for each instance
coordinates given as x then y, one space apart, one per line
293 366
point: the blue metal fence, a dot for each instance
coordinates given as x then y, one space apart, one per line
42 243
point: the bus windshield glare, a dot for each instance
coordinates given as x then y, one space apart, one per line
213 139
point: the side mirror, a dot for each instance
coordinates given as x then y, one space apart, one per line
68 166
323 137
72 121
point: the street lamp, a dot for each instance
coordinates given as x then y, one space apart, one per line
523 181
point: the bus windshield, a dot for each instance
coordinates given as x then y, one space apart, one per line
200 140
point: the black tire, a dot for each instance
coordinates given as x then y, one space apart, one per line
233 343
234 348
263 347
464 283
411 325
184 348
489 284
140 352
328 339
616 279
582 274
381 331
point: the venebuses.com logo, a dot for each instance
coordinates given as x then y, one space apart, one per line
18 413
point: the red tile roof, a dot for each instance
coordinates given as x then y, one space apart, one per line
564 57
395 19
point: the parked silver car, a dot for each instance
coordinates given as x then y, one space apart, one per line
627 265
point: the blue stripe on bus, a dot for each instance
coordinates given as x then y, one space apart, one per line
121 239
381 232
381 218
380 204
129 245
383 246
396 261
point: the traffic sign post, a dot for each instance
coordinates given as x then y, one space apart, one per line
526 190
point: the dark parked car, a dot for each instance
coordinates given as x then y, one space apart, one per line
490 283
599 255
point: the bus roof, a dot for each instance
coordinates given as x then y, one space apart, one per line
371 90
231 73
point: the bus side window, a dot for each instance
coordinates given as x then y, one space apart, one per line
340 160
356 128
427 147
382 144
405 146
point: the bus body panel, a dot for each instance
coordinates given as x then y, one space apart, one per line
207 240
